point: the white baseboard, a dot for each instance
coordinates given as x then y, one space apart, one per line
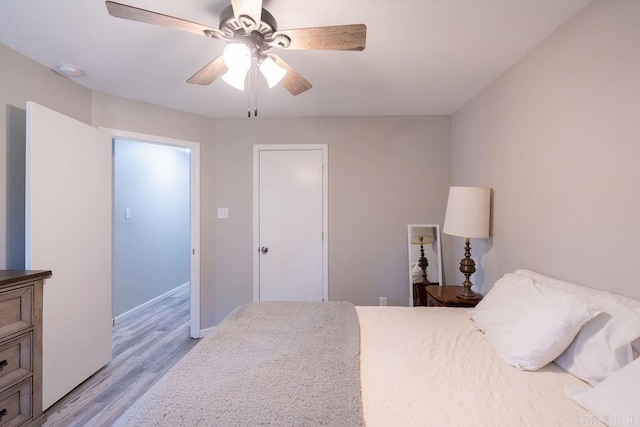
134 310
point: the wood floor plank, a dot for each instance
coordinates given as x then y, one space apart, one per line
113 409
145 346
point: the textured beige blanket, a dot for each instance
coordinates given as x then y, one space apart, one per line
430 366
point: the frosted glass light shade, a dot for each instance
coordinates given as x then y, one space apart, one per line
271 71
468 212
237 56
235 78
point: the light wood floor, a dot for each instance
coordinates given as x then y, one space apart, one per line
145 346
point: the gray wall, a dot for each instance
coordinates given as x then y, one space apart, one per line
557 138
151 250
384 173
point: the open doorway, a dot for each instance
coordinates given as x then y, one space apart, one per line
151 210
156 223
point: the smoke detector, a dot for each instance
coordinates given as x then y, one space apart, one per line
69 70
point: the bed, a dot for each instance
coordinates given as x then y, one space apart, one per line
288 363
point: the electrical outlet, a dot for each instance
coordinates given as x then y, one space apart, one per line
383 301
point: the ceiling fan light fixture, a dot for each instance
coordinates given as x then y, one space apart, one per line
271 71
249 29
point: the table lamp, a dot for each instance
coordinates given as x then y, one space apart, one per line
422 236
468 215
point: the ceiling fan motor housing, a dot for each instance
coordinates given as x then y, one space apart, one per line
262 37
232 27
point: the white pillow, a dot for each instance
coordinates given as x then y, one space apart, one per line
529 324
616 400
576 289
603 345
572 288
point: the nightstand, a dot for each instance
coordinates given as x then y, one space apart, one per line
446 296
420 293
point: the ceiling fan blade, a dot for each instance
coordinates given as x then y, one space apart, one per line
337 37
292 81
247 8
209 72
124 11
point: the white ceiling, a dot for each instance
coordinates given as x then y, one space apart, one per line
422 57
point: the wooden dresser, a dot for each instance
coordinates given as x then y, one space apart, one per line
21 347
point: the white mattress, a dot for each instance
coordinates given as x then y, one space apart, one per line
430 366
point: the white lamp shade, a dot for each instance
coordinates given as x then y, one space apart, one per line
271 71
426 233
468 212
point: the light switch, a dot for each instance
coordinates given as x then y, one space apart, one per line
223 213
127 213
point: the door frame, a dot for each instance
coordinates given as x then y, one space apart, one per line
195 329
257 148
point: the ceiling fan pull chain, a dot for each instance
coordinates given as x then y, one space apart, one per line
255 91
249 95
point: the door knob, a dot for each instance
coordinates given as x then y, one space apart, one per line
264 250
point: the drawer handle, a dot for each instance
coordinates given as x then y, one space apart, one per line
2 414
3 364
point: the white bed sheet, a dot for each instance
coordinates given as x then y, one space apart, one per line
424 366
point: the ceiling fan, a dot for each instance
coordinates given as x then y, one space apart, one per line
250 31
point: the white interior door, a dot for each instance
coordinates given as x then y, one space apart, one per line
68 231
291 237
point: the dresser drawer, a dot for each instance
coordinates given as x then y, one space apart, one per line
16 310
15 359
15 404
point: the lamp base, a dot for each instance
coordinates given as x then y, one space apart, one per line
467 267
468 294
